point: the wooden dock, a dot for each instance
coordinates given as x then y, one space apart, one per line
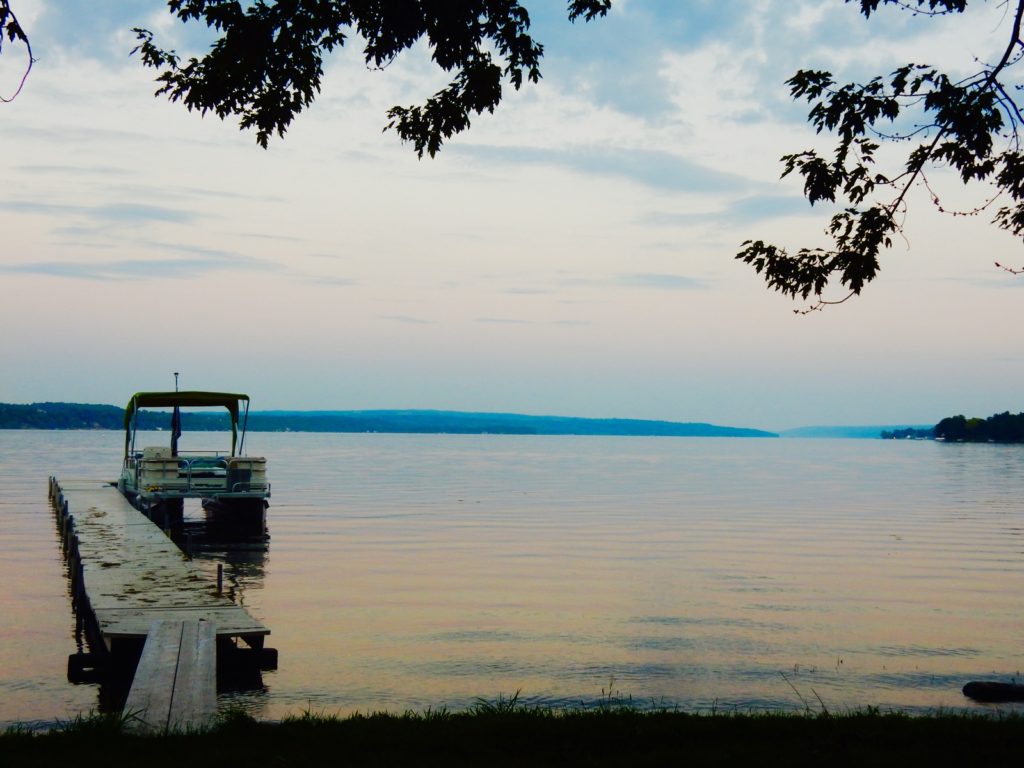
130 580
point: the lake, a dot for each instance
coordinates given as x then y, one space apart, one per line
415 571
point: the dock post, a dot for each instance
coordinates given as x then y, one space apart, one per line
220 578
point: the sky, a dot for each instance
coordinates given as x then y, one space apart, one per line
571 254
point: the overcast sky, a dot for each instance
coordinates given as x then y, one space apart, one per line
571 254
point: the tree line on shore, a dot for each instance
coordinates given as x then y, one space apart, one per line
999 428
1003 427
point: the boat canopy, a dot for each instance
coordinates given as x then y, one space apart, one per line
193 399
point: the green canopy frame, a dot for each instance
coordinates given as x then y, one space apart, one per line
234 402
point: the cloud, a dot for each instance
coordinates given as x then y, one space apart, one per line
74 170
759 208
520 321
503 321
103 31
526 291
286 239
42 208
122 213
745 210
211 254
662 282
35 133
136 269
333 282
614 61
560 283
408 319
997 279
223 194
134 213
652 168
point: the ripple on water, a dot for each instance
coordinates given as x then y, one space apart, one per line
415 571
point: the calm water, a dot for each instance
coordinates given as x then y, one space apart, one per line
407 572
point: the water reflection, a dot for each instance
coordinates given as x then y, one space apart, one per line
422 571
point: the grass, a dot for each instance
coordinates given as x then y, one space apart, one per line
505 732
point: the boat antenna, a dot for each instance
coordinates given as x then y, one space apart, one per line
175 381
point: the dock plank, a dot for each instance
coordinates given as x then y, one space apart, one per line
149 701
132 622
194 701
175 683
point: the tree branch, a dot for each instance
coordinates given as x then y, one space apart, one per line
10 26
965 118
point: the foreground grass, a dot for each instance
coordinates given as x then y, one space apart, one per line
506 734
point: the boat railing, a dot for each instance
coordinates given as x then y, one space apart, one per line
249 487
201 472
212 472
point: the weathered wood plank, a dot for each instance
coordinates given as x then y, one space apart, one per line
149 701
195 685
231 621
175 685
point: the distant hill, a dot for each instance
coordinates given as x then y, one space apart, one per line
60 416
458 422
869 432
83 416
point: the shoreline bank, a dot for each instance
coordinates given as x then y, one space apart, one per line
505 733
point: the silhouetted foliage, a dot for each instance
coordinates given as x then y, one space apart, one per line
267 61
1000 428
11 32
970 124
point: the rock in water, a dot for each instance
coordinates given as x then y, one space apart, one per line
983 690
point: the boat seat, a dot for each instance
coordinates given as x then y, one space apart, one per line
209 462
204 467
156 452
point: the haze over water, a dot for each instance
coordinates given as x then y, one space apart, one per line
407 572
